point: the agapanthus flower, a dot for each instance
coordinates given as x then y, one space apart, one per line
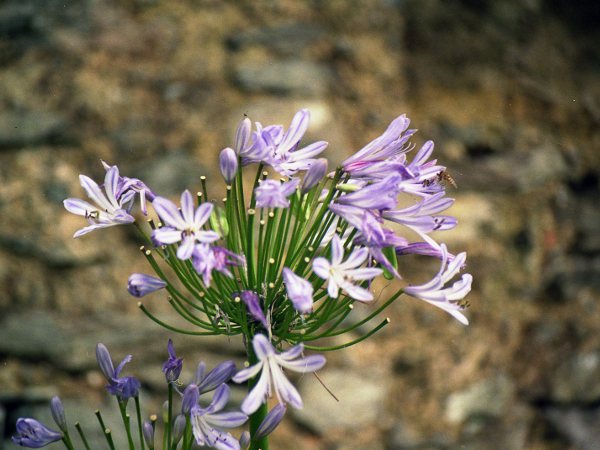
447 298
424 217
390 144
423 248
299 291
341 275
122 387
34 434
272 379
128 188
207 422
173 365
185 226
109 210
274 194
282 147
206 258
381 195
140 284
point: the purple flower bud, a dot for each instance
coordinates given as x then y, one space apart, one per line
178 428
191 395
34 434
299 290
314 175
245 440
172 366
105 361
140 284
148 432
216 377
252 302
273 194
228 162
58 413
271 421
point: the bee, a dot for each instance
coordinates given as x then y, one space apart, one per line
444 176
441 178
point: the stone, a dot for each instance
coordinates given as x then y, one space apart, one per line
25 128
291 76
489 397
285 39
580 426
577 379
361 401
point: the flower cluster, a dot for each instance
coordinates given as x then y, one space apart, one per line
282 261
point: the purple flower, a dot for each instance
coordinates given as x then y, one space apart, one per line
390 144
140 284
123 387
58 413
450 299
299 290
173 365
379 195
423 248
207 258
228 163
423 217
252 302
272 378
274 194
342 274
34 434
185 225
282 148
128 188
109 210
206 420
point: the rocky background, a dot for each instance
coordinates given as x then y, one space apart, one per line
508 90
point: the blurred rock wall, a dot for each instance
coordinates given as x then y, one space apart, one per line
508 90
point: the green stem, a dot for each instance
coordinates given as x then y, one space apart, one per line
126 422
138 413
82 436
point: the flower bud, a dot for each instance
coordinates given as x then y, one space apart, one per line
58 413
178 428
148 432
228 162
314 174
242 135
140 284
105 361
273 418
245 440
